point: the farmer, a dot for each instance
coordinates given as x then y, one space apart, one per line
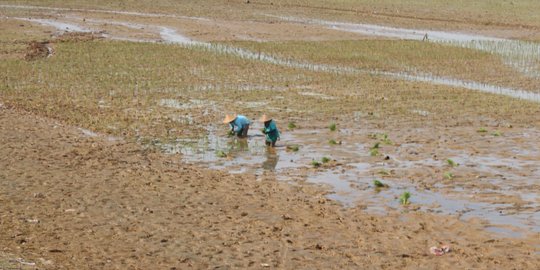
270 129
239 125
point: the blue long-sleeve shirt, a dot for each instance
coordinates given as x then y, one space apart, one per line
271 131
238 123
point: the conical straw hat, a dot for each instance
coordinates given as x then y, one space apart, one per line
265 118
228 118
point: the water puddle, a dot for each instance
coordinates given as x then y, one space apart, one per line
421 112
60 26
191 104
88 133
317 95
386 31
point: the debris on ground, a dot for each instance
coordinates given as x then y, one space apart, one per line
439 251
38 50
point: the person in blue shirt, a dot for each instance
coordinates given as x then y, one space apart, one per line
239 125
270 130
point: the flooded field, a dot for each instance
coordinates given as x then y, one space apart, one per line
400 133
352 169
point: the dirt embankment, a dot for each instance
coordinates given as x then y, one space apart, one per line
69 201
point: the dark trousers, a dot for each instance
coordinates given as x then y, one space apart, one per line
243 132
271 143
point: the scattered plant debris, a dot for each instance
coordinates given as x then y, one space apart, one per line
37 50
291 125
439 251
293 148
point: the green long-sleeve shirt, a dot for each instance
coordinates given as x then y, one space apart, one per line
271 131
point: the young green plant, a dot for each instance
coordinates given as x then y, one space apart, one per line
332 127
379 184
404 198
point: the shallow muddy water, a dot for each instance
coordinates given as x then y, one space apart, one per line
61 26
350 173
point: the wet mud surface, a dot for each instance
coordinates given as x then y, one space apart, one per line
98 201
492 177
90 202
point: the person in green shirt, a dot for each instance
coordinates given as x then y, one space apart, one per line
270 130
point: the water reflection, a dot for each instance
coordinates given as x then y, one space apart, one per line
271 160
238 145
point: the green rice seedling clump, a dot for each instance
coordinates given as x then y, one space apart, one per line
404 198
332 127
221 154
379 184
451 163
293 148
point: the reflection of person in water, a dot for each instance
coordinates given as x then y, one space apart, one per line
236 147
271 160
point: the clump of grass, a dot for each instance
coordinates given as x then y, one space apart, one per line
221 154
230 133
449 175
374 152
293 148
315 163
291 125
496 133
451 163
325 160
376 145
384 172
332 127
404 198
332 142
379 184
482 130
